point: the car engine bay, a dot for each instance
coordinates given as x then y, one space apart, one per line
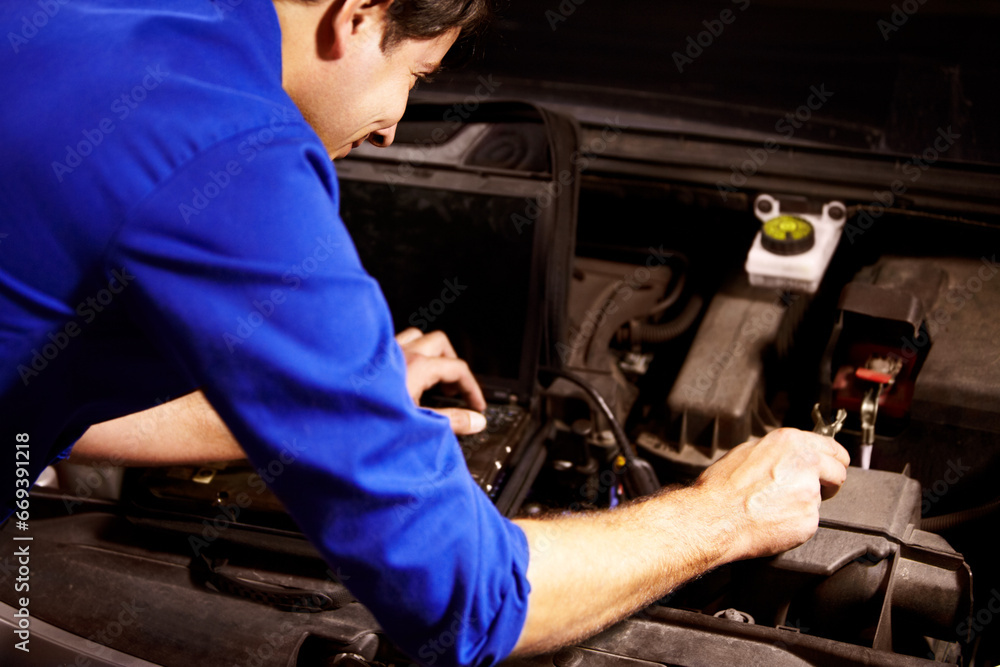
723 282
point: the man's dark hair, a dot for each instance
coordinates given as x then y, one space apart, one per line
427 19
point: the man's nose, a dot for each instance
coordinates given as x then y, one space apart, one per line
382 138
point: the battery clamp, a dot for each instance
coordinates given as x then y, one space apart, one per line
794 246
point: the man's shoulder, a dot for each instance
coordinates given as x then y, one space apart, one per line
112 102
145 88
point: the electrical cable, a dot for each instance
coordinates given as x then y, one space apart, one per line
639 473
624 446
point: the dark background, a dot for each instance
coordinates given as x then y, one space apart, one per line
940 68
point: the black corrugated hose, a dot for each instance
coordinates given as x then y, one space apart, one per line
936 524
662 332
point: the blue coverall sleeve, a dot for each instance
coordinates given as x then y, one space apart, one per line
244 274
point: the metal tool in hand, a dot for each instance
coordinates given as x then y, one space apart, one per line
832 428
829 430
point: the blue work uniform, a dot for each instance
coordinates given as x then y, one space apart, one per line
168 221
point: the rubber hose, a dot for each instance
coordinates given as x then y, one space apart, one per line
936 524
665 331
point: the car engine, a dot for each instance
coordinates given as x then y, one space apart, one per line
745 256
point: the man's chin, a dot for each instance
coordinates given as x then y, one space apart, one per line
344 150
341 152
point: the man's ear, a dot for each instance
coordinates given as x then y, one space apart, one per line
348 19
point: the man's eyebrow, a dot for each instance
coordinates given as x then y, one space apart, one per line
432 68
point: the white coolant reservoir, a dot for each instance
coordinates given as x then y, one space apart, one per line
792 249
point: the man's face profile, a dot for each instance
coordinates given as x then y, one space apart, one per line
346 85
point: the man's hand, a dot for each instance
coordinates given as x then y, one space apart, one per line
774 487
431 360
761 498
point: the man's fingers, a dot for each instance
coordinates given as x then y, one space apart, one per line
832 463
434 344
431 360
839 452
463 422
831 471
826 445
407 336
422 373
832 474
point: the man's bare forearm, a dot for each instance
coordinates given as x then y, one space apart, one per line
589 571
186 430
